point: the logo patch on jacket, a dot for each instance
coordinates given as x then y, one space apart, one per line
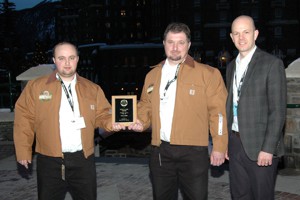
150 89
92 107
45 96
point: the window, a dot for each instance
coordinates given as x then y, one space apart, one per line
197 3
197 18
123 13
223 34
254 13
278 13
197 35
107 13
278 32
223 16
107 25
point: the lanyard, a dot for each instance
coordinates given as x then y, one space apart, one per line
171 81
70 98
240 83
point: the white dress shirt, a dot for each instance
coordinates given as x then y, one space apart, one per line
167 100
70 135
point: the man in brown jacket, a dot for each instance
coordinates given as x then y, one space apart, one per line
183 101
60 111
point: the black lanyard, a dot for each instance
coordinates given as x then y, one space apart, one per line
240 83
171 81
70 98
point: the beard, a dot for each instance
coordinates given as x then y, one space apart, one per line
174 58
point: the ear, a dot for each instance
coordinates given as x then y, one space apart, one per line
53 60
231 36
256 32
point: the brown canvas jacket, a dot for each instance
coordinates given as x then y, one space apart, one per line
37 116
200 104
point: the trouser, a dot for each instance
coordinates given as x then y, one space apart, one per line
80 177
248 181
174 167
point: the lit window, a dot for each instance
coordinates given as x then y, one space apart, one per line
123 13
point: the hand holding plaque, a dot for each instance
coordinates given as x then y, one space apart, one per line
124 109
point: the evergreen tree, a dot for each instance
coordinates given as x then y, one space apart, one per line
39 55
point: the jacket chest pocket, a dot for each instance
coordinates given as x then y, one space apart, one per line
88 108
192 95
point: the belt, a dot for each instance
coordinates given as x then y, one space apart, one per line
235 133
164 142
80 152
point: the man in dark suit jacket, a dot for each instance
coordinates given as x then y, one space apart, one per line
256 110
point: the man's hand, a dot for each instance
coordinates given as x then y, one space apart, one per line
25 163
137 126
226 155
217 158
118 127
264 159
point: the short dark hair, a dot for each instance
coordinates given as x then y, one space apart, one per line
176 27
62 43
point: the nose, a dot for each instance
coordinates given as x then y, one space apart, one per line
67 61
175 46
241 36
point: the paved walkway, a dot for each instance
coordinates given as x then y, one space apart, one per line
121 179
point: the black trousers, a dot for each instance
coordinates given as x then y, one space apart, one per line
248 181
174 167
80 177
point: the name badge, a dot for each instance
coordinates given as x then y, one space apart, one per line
78 122
235 109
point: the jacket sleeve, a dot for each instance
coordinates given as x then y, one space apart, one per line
277 100
103 112
216 98
144 105
24 123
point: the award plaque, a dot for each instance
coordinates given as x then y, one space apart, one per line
124 109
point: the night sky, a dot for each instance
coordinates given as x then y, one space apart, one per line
23 4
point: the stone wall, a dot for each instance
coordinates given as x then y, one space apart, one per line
292 127
6 130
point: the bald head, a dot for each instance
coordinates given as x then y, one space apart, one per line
245 20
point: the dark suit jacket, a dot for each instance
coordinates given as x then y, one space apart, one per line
262 104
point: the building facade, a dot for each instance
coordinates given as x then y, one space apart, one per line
119 23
